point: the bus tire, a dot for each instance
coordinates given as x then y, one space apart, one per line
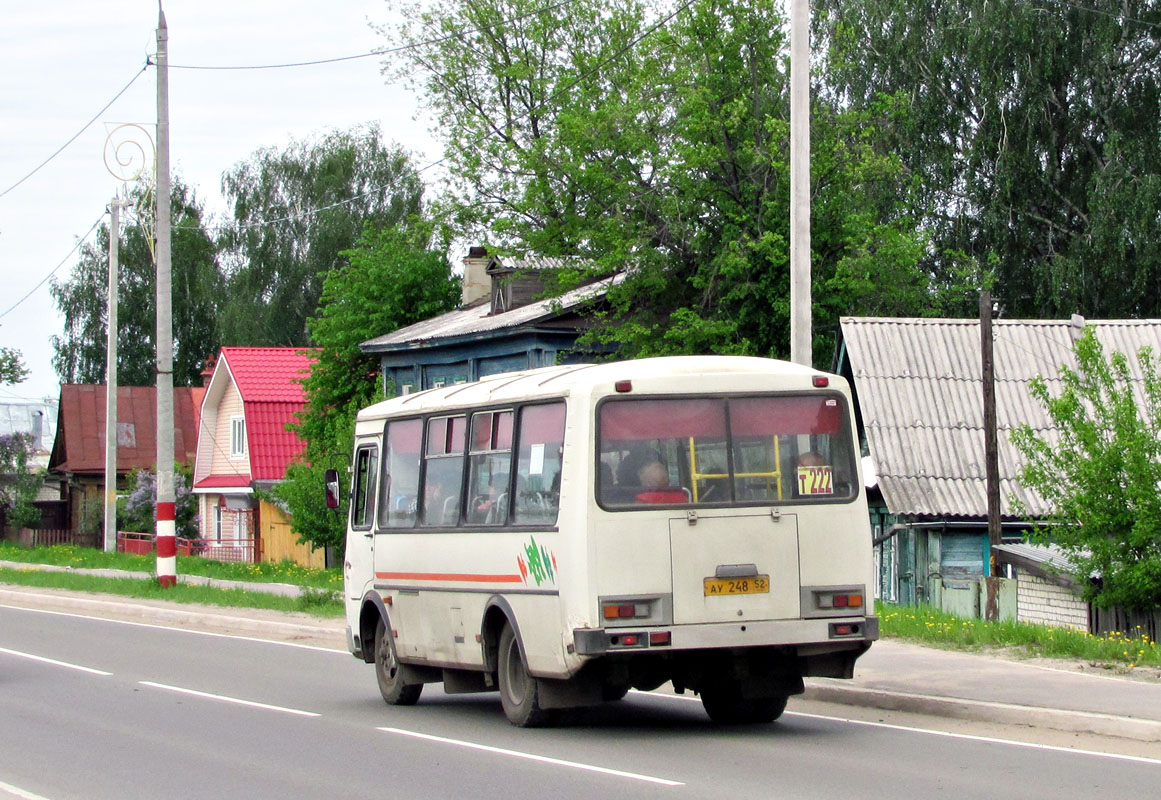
387 671
519 693
725 705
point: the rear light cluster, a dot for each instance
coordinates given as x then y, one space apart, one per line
651 639
626 610
828 600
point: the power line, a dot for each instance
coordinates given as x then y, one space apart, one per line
73 138
373 53
43 280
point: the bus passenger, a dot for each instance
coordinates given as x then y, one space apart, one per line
653 477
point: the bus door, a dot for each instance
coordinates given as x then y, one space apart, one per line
358 568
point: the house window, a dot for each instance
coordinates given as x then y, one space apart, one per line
218 522
237 437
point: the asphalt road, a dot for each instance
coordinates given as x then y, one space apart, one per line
98 709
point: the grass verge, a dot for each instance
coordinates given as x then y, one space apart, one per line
320 603
90 558
931 626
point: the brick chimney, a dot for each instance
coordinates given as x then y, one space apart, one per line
208 369
476 284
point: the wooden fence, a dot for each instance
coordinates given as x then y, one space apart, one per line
1103 621
34 537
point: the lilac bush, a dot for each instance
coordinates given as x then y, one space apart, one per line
137 511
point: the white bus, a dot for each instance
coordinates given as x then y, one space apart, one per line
564 534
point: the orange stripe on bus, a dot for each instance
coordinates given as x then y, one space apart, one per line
449 576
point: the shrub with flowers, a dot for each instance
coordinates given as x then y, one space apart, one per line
138 510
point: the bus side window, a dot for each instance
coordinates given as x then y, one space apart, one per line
400 484
489 465
538 465
443 471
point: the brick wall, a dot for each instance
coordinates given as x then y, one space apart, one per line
1044 602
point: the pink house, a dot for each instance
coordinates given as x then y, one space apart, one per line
243 445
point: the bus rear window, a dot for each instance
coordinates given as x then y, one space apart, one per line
714 451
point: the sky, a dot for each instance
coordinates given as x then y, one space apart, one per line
62 61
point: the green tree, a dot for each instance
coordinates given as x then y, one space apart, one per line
294 212
1099 472
12 369
396 276
19 483
196 288
1033 132
662 149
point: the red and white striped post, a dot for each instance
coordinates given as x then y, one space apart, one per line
166 544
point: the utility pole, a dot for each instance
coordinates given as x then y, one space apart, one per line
991 454
166 529
800 320
111 383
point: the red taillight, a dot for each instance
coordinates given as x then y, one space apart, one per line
623 386
820 381
840 601
628 640
843 630
659 638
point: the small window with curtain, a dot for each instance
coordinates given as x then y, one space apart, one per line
398 503
443 474
489 468
538 464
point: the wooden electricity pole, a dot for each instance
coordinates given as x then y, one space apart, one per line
991 452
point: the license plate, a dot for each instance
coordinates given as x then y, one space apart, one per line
751 584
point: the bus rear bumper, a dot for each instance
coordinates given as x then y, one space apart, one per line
812 636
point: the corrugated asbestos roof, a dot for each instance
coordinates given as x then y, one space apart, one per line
475 318
919 390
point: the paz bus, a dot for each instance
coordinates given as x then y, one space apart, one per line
563 535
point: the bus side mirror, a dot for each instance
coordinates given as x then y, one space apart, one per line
331 478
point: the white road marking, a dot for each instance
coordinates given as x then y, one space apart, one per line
531 757
930 732
16 791
180 630
223 698
986 739
54 662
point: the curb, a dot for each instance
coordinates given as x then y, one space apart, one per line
822 690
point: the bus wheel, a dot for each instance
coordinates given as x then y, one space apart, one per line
388 672
725 705
519 694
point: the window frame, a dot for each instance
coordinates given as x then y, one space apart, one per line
238 444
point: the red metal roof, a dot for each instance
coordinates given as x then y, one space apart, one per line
223 482
80 433
269 381
269 374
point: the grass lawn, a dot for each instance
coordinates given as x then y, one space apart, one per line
91 558
322 589
931 626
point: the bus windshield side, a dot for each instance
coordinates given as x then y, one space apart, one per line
793 448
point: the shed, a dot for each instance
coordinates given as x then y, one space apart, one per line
918 391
